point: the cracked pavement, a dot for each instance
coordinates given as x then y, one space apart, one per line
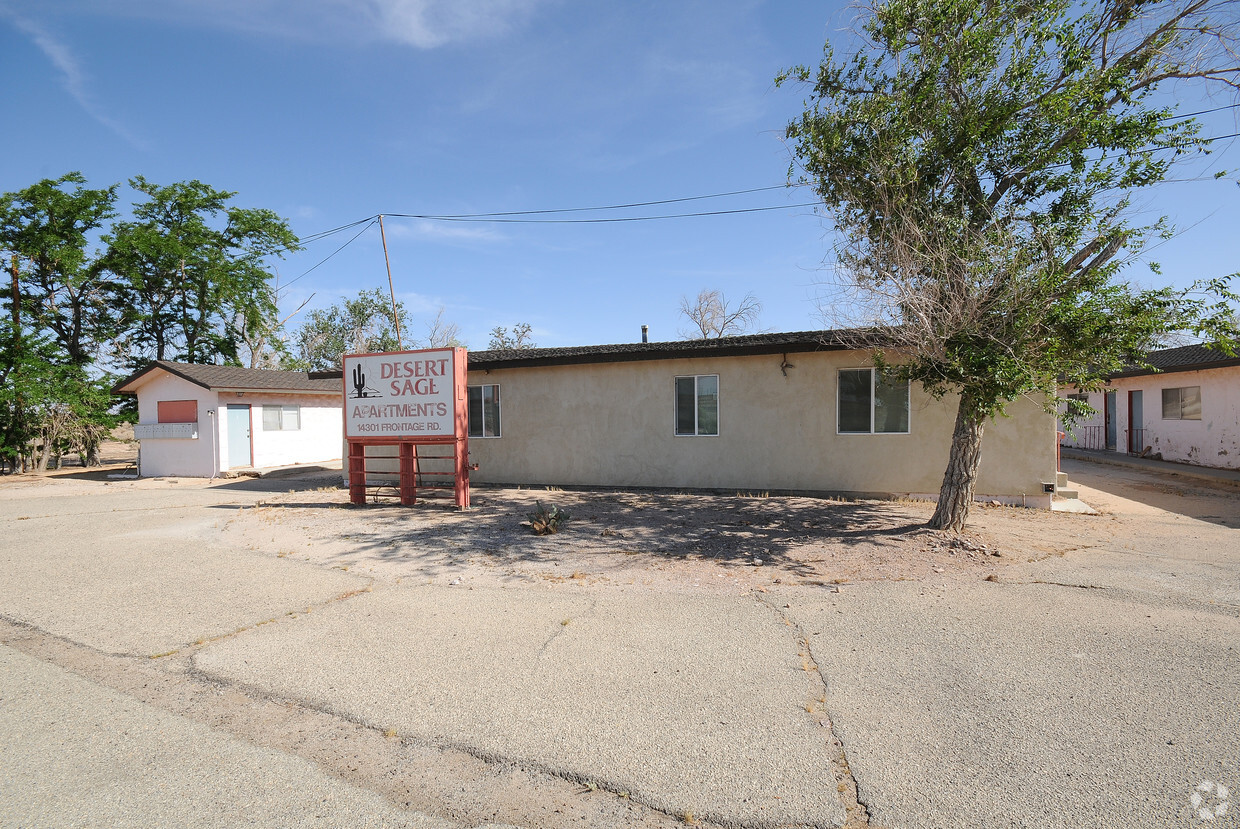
153 674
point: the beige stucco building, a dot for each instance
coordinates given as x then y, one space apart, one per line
772 412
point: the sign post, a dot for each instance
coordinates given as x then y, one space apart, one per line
408 399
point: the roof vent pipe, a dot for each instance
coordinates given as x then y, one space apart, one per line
645 333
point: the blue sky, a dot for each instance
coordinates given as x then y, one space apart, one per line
330 111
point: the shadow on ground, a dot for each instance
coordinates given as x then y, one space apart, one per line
610 533
1217 502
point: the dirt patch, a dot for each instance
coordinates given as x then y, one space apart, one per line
115 456
657 540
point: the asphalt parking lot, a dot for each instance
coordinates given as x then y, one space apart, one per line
164 663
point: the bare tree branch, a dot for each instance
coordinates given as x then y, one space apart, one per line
712 316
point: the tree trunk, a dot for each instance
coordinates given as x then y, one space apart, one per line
956 494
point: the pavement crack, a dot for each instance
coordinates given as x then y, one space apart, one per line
1056 584
563 627
191 648
856 811
448 781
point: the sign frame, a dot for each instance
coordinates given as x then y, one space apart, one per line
423 400
405 395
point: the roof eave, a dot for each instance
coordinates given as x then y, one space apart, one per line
1146 372
270 390
123 387
643 355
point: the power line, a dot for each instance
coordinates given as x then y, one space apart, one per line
515 216
1199 112
369 224
1188 143
323 234
467 216
606 220
603 207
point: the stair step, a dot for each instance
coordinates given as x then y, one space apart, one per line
1061 479
1067 493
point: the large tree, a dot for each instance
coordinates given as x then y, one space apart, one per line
359 325
189 266
51 228
60 312
978 160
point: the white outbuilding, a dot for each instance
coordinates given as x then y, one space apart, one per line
199 420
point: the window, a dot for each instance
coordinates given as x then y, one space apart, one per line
697 405
1182 404
281 418
176 411
1077 406
868 404
484 411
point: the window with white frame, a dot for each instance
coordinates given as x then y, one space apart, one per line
281 418
484 411
1182 403
867 403
697 405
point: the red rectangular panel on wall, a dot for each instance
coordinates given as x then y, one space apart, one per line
178 411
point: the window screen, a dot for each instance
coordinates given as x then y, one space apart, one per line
854 401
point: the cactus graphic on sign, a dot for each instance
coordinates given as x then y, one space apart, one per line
360 389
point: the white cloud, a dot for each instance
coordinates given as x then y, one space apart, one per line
430 23
424 24
445 231
73 79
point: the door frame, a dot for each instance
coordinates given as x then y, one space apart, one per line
1133 426
1110 412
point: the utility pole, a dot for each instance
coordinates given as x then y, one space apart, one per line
391 289
17 427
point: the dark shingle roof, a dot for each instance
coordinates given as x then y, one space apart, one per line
233 377
752 344
1184 358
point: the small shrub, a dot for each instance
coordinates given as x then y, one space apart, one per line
546 521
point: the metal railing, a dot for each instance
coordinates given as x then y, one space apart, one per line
1087 437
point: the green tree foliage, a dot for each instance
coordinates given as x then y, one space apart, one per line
978 161
184 279
360 325
64 292
190 268
60 313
